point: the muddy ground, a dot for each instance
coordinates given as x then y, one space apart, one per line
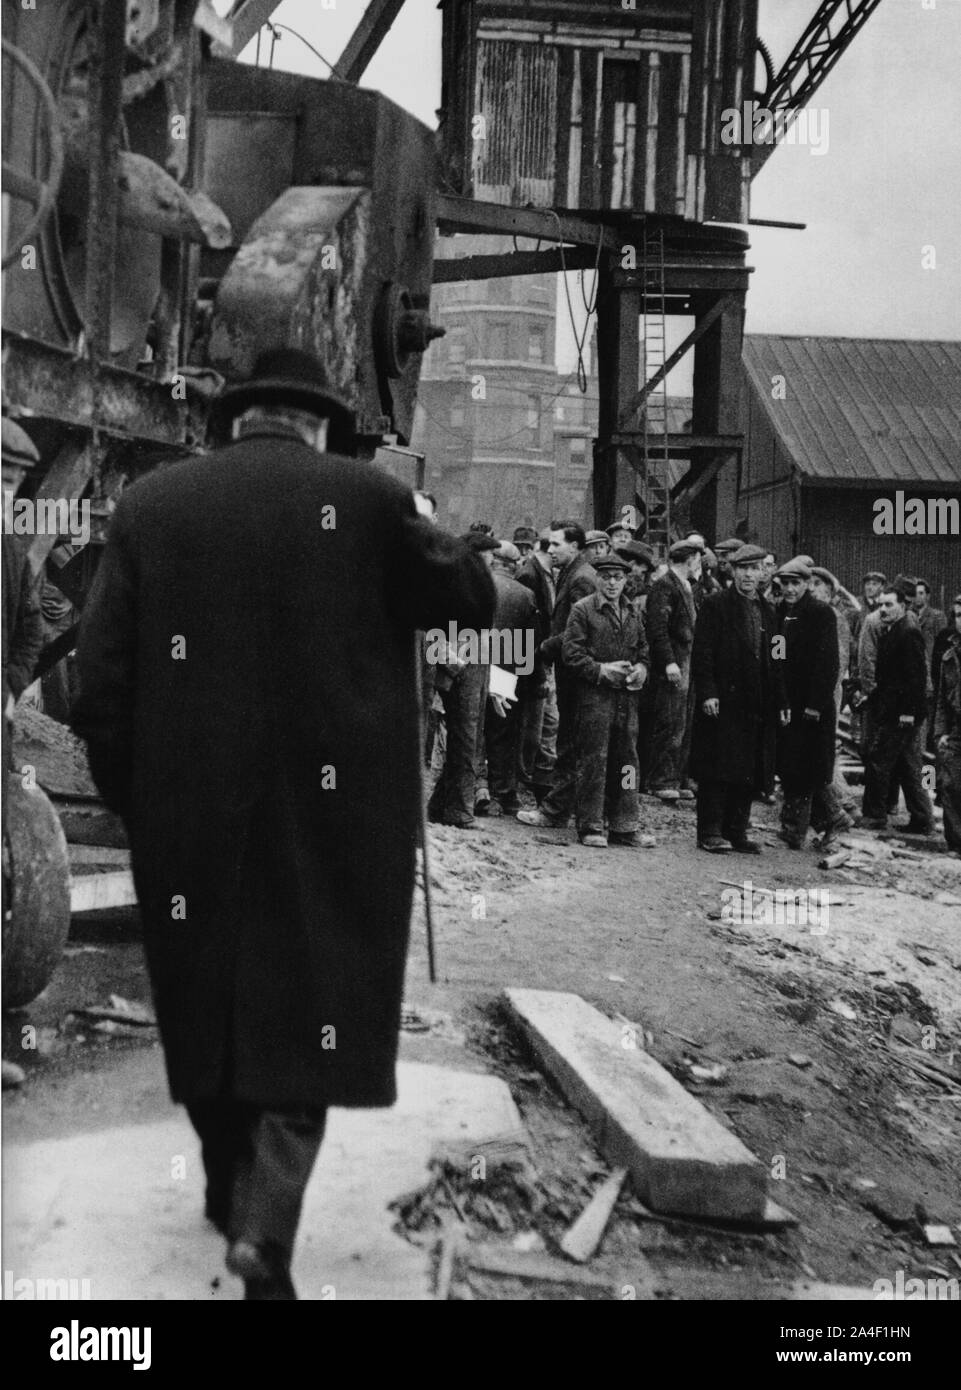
838 1044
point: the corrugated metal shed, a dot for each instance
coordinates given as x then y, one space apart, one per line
863 411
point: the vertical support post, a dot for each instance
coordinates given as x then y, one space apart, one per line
717 410
108 46
619 374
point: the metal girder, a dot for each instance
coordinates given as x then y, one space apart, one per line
450 271
367 38
466 215
700 328
830 31
54 384
680 443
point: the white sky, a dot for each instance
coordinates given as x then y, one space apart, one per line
888 186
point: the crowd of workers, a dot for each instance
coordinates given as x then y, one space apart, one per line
702 678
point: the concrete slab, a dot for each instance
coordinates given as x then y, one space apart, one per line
123 1208
680 1158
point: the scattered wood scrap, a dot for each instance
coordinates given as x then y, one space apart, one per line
581 1241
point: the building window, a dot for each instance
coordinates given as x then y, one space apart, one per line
497 342
534 422
457 346
578 448
535 345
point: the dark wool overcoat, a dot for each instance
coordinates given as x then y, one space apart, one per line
247 660
739 745
805 748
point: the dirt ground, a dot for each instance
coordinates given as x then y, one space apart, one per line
839 1042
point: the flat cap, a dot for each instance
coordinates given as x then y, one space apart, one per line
747 555
612 562
596 537
732 543
875 574
683 550
524 535
480 540
506 551
794 569
807 560
18 448
636 552
619 526
819 572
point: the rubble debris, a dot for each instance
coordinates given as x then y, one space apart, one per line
13 1076
800 1059
119 1010
939 1235
516 1264
580 1243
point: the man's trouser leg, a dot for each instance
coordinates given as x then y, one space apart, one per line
453 797
667 735
795 813
546 758
828 815
737 812
265 1159
882 749
559 801
503 748
908 769
711 797
532 724
949 769
594 722
622 805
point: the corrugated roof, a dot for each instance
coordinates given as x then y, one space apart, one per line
867 410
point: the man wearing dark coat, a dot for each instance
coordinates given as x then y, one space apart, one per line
740 696
538 754
947 730
514 636
897 708
805 746
671 616
575 579
248 696
23 630
605 650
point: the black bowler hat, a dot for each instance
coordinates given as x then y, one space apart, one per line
287 376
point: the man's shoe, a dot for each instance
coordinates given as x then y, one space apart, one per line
264 1270
594 841
482 803
468 823
746 846
868 824
791 841
632 839
685 794
538 818
668 794
915 828
713 844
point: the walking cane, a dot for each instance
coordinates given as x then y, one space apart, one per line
422 813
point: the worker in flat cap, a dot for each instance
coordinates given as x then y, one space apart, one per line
620 533
598 544
525 538
643 563
724 550
605 650
539 716
460 791
267 770
806 745
740 698
514 639
838 806
23 628
671 617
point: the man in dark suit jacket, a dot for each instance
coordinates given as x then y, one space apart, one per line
740 697
671 616
805 752
248 697
539 718
515 645
575 579
898 708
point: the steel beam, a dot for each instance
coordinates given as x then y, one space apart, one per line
107 55
693 337
367 38
246 18
680 443
465 215
450 271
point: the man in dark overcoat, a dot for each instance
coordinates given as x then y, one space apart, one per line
805 746
740 697
575 579
248 697
671 616
605 651
538 753
515 644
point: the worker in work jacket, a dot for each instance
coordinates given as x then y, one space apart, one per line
605 652
947 730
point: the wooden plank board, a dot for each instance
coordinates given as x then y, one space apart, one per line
582 1240
97 892
680 1158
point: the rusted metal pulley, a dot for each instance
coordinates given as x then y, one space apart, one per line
36 892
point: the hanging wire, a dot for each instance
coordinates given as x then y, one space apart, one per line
275 29
579 339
